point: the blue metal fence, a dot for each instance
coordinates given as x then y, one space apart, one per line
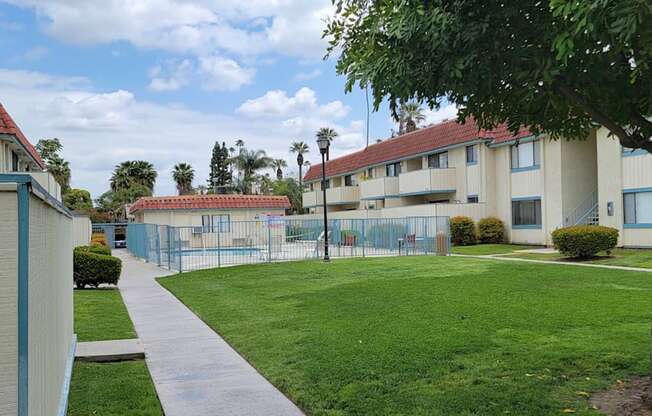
285 238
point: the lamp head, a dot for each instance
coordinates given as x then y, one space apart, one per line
323 144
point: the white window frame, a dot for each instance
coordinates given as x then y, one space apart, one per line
637 204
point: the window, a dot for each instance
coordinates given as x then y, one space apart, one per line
472 199
638 208
370 173
472 154
438 160
525 155
14 162
393 169
349 180
221 223
312 186
526 213
326 184
206 223
634 152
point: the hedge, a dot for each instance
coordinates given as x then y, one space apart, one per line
92 269
491 230
462 231
95 248
584 241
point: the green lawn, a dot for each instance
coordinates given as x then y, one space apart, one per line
101 315
619 257
487 249
430 335
112 389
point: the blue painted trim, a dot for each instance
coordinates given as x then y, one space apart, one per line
637 152
526 168
636 190
634 226
65 389
341 203
443 191
471 163
526 198
379 197
23 193
473 195
527 227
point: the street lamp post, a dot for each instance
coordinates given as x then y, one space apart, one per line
323 144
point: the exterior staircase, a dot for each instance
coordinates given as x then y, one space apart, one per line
586 213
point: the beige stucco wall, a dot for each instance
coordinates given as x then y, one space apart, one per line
192 218
637 171
81 231
580 172
8 303
50 305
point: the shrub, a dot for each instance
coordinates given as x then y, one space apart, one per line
92 269
491 230
584 241
95 248
99 238
462 231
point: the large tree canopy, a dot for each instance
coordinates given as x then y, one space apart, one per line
557 66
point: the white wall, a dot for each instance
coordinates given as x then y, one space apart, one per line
81 230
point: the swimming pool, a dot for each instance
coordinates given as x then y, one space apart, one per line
236 251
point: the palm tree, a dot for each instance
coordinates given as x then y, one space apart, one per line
183 175
409 116
133 172
300 148
330 134
279 164
249 162
60 169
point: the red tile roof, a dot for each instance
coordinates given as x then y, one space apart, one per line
8 126
210 202
421 141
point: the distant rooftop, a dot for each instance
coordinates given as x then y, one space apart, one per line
424 140
210 202
9 127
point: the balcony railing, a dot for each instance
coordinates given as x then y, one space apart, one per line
343 195
379 188
312 199
427 181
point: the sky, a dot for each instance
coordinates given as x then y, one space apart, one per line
163 80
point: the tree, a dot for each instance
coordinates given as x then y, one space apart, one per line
249 162
279 164
183 175
78 200
133 172
220 176
290 188
410 115
556 66
49 150
265 184
328 133
114 201
300 148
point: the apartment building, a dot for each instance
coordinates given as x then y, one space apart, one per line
532 183
36 301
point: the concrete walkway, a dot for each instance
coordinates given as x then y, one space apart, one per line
563 263
194 370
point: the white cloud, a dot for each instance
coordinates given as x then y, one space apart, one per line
277 103
448 112
222 74
172 76
99 129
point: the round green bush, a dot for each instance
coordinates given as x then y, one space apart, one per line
462 231
584 241
92 269
491 230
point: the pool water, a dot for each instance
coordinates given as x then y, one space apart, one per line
237 251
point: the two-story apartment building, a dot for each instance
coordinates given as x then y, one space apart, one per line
532 183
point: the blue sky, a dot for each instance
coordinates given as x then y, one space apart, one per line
161 80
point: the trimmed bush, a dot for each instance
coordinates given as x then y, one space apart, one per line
491 230
584 241
99 238
95 248
92 269
462 231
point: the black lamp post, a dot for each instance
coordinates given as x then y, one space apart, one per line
323 144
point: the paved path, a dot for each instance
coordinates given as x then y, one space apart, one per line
194 370
565 263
